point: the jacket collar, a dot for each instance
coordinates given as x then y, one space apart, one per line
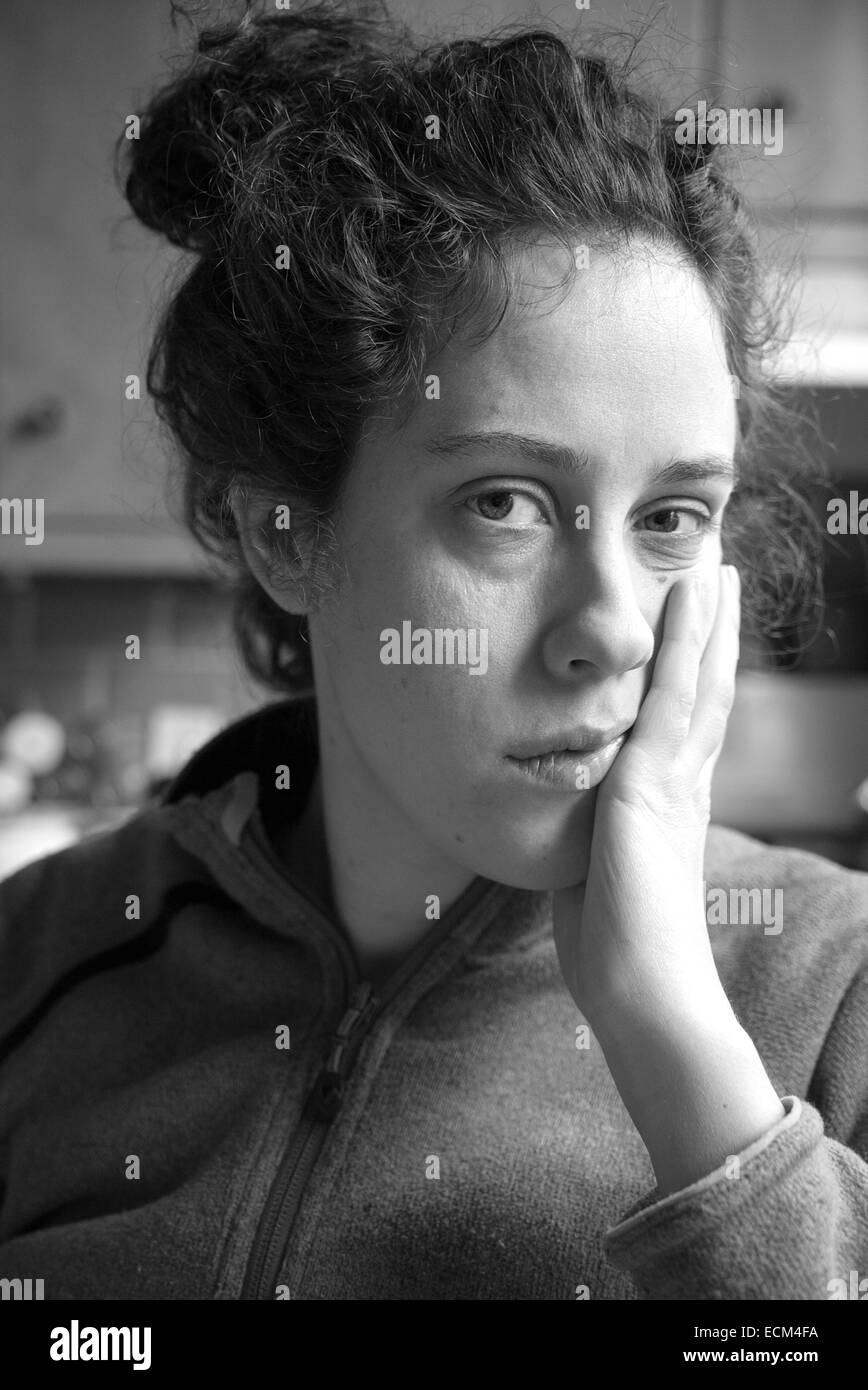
283 733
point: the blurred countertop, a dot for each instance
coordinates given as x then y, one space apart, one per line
46 827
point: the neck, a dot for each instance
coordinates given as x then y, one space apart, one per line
365 860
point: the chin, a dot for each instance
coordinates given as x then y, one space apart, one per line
545 878
543 868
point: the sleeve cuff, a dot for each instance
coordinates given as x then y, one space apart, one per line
707 1235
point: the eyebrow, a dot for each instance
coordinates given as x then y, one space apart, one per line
563 459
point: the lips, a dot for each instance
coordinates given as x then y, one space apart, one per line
577 741
570 771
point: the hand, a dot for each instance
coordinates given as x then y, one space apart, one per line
632 941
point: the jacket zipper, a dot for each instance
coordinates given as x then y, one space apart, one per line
325 1099
322 1105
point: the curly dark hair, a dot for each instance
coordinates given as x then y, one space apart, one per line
336 244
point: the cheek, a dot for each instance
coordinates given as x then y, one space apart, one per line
384 587
654 604
395 579
654 612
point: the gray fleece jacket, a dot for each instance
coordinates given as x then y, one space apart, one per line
201 1099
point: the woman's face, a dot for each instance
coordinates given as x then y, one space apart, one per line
625 377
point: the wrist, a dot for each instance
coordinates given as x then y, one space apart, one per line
643 1010
694 1086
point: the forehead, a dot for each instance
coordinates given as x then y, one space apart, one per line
629 360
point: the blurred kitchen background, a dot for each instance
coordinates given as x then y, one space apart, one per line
86 736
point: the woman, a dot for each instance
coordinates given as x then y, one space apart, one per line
407 989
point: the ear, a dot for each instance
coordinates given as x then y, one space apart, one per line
275 553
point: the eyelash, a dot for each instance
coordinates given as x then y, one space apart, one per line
509 492
706 523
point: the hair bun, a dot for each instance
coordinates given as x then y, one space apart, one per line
244 79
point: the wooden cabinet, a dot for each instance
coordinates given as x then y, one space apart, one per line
812 61
81 282
77 286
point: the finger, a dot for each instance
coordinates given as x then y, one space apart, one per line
665 714
715 689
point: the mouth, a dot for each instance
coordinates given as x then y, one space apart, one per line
572 769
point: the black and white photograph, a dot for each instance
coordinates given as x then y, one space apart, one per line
434 665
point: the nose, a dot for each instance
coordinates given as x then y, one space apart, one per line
600 623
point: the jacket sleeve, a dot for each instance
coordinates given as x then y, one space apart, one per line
790 1219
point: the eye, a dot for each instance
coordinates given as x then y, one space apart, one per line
506 504
665 522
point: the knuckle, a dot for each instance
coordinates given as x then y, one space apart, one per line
682 702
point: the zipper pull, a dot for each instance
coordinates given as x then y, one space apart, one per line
327 1095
